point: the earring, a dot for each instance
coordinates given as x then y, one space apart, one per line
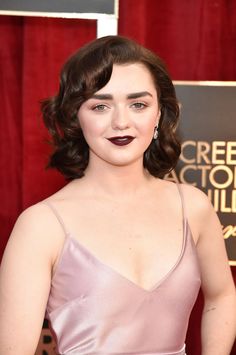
155 135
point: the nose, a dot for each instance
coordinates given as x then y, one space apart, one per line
120 119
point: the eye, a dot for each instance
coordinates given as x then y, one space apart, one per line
99 107
138 105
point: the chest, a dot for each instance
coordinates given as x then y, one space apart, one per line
140 242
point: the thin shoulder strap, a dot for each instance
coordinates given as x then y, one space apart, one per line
182 200
57 215
183 206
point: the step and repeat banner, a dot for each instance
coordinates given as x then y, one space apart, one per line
208 159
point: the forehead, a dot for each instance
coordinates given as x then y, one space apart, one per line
130 78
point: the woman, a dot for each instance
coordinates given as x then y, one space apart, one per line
117 256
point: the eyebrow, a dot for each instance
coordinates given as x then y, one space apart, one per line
134 95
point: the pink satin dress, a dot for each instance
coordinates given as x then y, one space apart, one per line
92 309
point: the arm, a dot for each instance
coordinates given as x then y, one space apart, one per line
25 277
219 314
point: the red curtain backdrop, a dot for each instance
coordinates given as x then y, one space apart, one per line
196 38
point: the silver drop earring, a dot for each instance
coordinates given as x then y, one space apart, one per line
155 135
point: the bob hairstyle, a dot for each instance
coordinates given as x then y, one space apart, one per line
86 72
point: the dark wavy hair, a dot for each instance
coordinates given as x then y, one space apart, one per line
86 72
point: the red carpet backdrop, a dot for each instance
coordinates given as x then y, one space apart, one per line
208 158
196 38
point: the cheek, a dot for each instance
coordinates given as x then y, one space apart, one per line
86 124
147 125
90 126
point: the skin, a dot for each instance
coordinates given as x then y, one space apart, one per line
115 111
126 205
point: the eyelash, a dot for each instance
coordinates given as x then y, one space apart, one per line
139 105
98 107
136 105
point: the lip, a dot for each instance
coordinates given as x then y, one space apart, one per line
121 140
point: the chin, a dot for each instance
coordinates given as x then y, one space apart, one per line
125 162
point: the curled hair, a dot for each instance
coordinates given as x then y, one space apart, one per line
86 72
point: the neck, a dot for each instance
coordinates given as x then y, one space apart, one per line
117 181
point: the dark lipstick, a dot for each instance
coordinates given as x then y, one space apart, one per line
121 140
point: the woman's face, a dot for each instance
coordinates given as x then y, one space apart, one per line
119 120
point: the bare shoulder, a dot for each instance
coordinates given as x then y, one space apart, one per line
196 200
33 216
199 210
37 229
40 219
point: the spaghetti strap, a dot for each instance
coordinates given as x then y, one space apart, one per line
183 207
55 212
182 200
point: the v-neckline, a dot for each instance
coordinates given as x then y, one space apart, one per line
110 269
71 237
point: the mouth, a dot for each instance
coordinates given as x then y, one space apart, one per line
121 140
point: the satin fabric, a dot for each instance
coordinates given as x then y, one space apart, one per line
92 309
